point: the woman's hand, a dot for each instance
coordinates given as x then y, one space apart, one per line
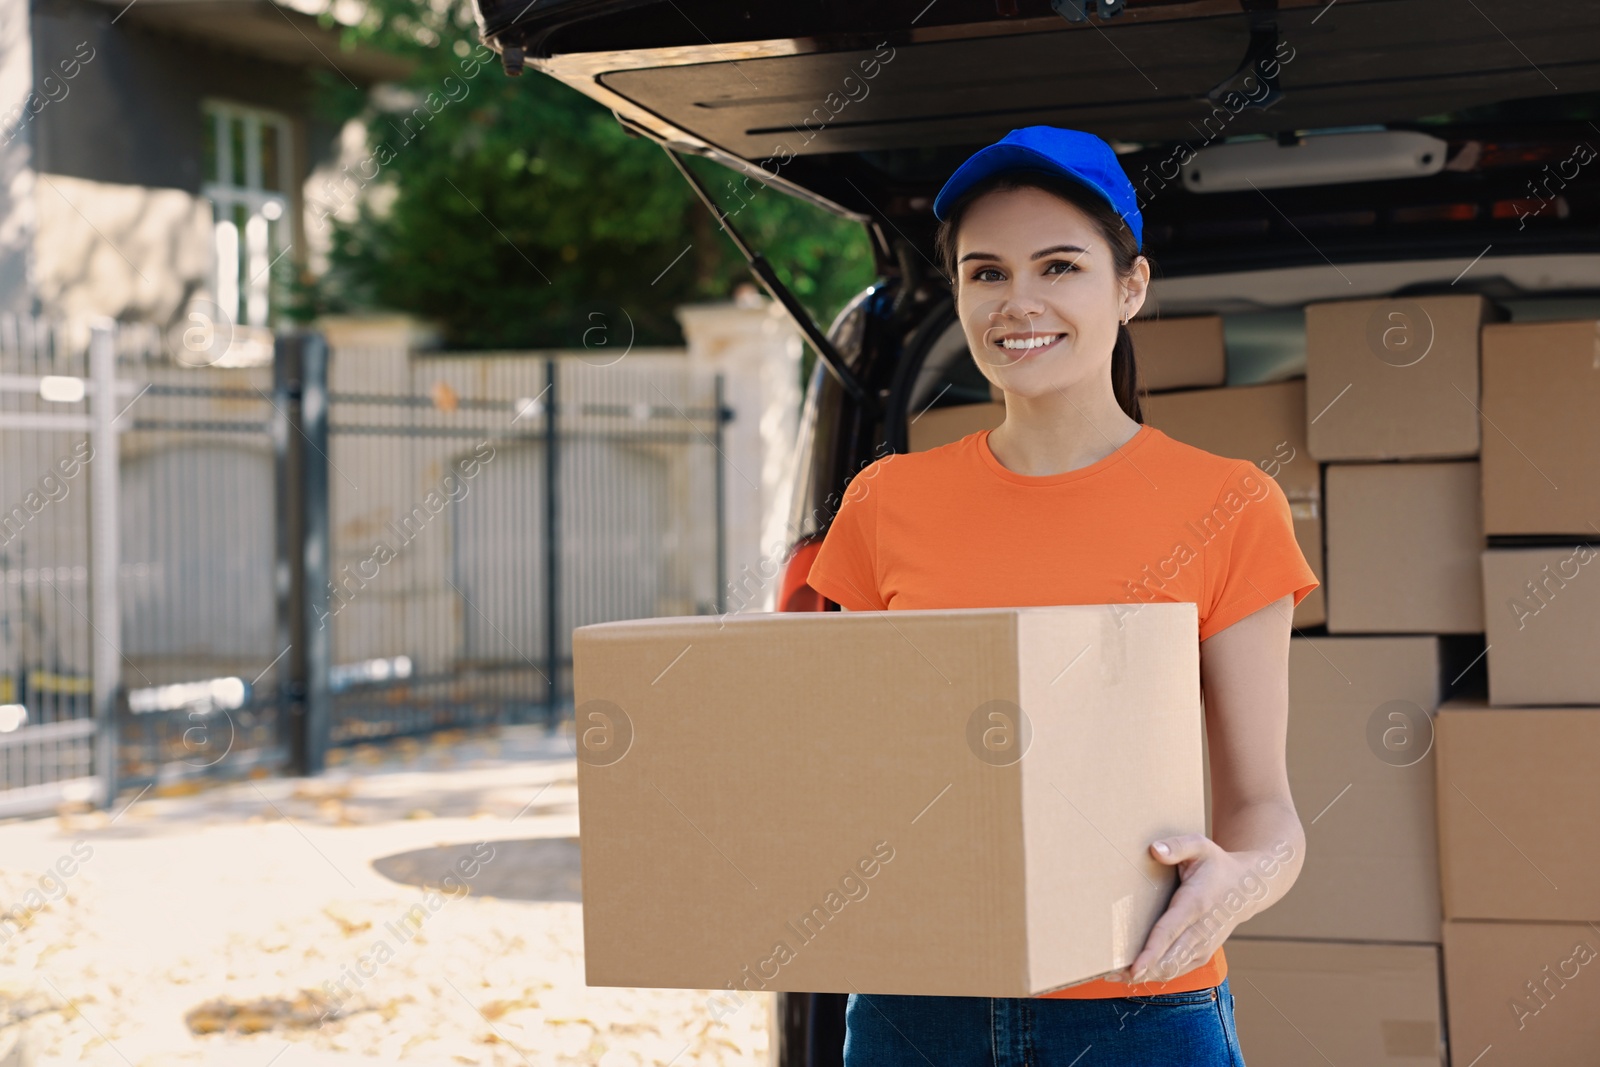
1218 890
1244 674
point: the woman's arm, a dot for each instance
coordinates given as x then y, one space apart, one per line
1257 845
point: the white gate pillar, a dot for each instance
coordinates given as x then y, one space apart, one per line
757 349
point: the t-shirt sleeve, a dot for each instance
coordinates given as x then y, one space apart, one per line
1254 560
845 569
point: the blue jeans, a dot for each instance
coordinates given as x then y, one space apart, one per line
1179 1029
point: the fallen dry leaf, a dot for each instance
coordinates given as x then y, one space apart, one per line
349 927
306 1010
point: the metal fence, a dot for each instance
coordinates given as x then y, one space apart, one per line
481 507
48 686
199 608
208 569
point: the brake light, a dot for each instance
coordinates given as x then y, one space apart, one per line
1435 213
1531 206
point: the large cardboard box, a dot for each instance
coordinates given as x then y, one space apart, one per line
1395 378
940 426
1304 1002
1541 617
1541 427
1181 353
1518 802
1265 424
1522 993
917 802
1403 547
1362 773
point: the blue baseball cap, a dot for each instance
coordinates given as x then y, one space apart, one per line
1080 156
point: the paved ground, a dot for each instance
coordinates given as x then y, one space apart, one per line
284 923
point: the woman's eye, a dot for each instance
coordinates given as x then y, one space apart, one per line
1066 266
986 274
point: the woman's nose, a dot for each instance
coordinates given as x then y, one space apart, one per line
1017 304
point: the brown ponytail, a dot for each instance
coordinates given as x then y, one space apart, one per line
1125 375
1119 238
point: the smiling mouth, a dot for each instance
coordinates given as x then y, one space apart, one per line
1028 344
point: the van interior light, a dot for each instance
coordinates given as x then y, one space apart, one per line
1321 159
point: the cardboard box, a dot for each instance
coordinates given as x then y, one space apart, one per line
834 802
1518 792
1541 427
1362 774
1265 424
1403 542
1303 1002
1184 353
940 426
1521 993
1395 378
1541 615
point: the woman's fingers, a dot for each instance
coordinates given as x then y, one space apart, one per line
1174 850
1180 913
1186 906
1188 951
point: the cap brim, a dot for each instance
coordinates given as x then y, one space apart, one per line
993 160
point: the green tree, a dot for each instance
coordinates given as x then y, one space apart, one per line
518 213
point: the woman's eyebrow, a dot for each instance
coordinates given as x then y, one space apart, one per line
1037 255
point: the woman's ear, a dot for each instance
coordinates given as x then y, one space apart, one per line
1135 287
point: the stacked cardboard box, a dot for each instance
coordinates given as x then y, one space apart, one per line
1404 541
1346 965
1180 353
1541 479
1360 719
1541 438
1392 392
1394 379
1313 1002
1465 432
1518 797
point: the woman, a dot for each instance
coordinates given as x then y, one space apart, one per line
1072 500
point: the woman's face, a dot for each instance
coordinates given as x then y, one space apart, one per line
1037 291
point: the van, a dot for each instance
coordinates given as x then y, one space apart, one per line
1285 153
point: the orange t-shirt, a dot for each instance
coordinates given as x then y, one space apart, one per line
1155 521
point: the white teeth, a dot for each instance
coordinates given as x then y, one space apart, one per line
1029 342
